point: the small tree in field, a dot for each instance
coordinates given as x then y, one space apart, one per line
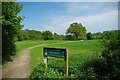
47 35
89 36
77 30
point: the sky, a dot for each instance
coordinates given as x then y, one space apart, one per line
67 0
57 16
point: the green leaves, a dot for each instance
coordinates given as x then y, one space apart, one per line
10 26
41 72
47 35
77 30
89 36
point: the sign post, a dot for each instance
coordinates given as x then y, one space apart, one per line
58 53
66 63
45 58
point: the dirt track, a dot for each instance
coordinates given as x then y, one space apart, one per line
19 67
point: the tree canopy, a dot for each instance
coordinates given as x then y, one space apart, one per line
77 30
47 35
10 25
89 36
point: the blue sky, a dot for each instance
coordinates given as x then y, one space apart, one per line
57 16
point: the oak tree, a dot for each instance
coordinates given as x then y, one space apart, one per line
77 30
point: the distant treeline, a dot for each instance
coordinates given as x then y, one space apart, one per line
97 35
48 35
103 35
37 35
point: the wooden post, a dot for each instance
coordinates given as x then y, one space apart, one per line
66 63
45 58
45 62
46 65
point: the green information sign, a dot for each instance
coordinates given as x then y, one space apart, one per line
55 52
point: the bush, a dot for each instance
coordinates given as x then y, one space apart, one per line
47 35
41 72
10 26
89 36
107 66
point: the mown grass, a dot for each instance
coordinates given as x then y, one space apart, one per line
21 45
79 52
36 57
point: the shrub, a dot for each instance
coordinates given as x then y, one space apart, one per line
10 26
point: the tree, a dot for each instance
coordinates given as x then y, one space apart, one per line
108 34
89 36
77 30
22 35
69 37
97 35
56 36
34 35
10 26
62 37
47 35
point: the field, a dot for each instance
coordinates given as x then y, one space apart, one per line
21 45
79 53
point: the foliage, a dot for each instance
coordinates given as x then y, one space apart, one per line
107 66
77 30
111 55
69 37
47 35
42 73
56 36
29 35
89 36
110 34
34 35
10 26
97 35
22 35
62 37
106 35
37 35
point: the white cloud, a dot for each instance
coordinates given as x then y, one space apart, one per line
100 21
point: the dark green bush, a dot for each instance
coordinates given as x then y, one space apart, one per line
10 26
40 72
107 66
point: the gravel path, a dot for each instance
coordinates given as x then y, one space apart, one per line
19 67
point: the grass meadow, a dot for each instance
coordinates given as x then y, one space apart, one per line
79 52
